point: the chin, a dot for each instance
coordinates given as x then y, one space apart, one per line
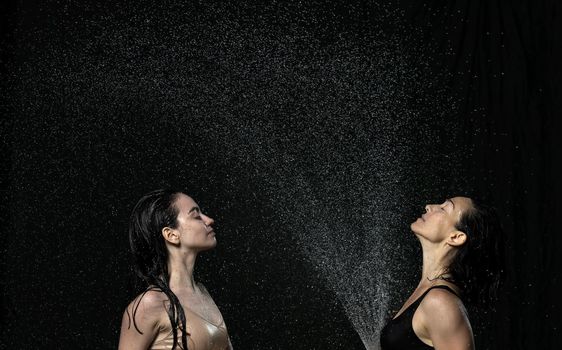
208 246
413 226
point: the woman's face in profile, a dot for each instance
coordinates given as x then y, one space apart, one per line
439 220
194 228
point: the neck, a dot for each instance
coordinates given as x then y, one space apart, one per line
180 268
436 258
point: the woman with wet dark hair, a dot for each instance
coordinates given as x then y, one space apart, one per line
167 230
462 246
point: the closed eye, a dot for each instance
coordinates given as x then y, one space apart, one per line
446 204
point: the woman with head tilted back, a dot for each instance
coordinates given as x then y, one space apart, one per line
461 243
167 231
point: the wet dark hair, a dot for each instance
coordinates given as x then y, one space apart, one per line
151 214
477 267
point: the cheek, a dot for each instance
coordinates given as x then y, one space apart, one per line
193 233
430 227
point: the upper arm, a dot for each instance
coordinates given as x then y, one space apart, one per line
141 321
446 321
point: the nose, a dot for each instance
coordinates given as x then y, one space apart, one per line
427 208
209 221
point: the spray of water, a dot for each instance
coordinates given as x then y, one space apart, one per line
329 128
341 167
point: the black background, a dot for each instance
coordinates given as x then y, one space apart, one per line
237 102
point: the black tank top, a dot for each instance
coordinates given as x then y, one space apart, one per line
398 333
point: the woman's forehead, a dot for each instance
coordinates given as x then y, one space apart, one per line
461 203
185 202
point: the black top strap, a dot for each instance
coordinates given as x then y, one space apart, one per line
439 286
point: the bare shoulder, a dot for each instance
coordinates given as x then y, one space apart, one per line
441 298
147 309
443 309
142 320
443 321
150 299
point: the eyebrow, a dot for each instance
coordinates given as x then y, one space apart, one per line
450 200
194 209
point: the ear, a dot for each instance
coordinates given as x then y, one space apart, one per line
456 238
170 235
